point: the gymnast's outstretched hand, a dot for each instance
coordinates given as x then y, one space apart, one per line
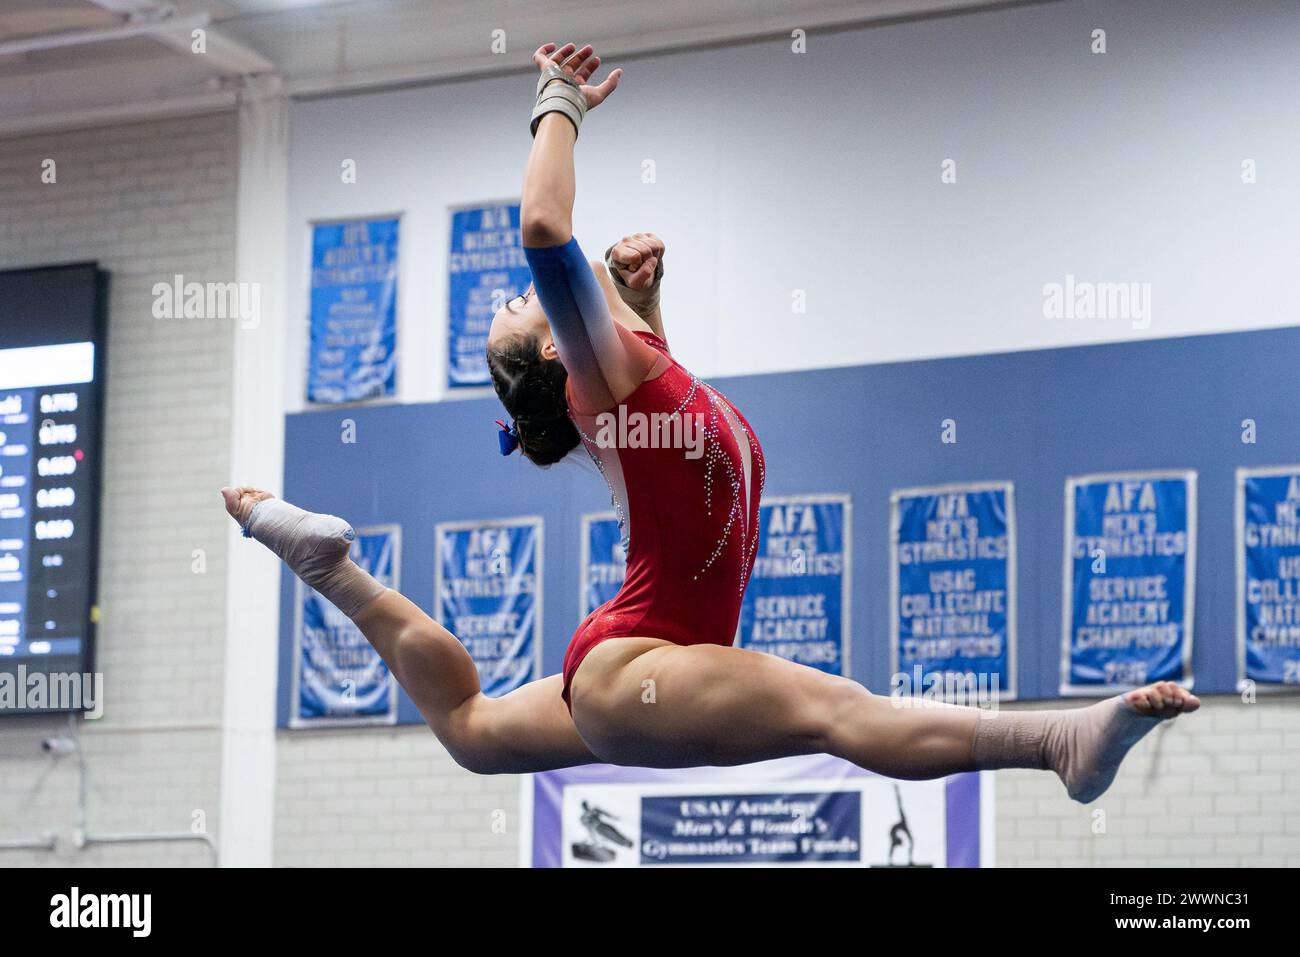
579 64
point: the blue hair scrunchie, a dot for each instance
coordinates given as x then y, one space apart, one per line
507 438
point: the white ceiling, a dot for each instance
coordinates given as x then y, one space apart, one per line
78 62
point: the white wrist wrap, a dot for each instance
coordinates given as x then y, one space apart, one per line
641 301
564 97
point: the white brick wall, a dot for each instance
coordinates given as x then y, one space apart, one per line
390 797
146 200
1220 787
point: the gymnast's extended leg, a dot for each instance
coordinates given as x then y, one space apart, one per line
526 730
648 701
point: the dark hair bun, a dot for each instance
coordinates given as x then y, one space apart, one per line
532 390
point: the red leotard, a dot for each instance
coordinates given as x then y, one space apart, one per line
690 524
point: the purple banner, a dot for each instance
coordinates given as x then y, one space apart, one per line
806 811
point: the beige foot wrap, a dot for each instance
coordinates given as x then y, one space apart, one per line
1084 746
315 547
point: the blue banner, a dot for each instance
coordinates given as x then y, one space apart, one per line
1130 563
353 311
796 606
488 593
485 270
760 828
953 591
338 677
1268 576
604 561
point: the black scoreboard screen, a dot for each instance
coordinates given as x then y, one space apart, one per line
52 334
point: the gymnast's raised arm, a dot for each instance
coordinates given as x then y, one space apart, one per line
601 369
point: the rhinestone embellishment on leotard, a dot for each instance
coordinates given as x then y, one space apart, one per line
714 454
734 478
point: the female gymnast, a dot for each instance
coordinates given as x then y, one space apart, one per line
651 677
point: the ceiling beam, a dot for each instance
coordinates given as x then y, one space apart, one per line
834 15
128 8
77 38
225 56
186 105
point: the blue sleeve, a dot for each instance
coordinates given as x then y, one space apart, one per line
584 331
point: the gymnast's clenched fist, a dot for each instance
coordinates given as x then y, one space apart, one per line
636 258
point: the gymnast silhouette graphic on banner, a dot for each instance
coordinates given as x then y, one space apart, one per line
600 835
899 834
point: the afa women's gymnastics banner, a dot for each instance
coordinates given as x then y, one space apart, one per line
797 602
805 811
488 592
353 311
338 678
1268 576
604 561
486 269
1129 580
952 583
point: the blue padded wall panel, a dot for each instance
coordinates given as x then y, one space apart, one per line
1031 417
